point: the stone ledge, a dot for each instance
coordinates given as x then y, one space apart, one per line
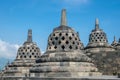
74 79
64 78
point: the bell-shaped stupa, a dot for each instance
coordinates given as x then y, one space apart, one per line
64 57
25 59
98 40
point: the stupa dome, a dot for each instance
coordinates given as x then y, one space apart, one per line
97 37
98 40
29 50
64 38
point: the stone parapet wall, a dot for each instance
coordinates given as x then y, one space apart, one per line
99 49
107 62
65 66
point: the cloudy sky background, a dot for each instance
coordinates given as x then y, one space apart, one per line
17 16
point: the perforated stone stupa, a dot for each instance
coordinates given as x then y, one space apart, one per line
98 40
64 57
26 56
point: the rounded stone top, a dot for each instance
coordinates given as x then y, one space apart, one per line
64 38
28 50
97 37
62 27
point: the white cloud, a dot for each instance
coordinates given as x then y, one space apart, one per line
8 50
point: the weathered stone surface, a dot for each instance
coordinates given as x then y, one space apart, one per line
64 56
65 78
26 56
81 67
98 40
105 56
107 62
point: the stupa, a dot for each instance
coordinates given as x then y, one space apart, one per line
116 44
98 40
25 59
64 57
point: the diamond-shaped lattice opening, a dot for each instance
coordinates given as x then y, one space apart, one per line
63 47
53 34
21 50
70 38
59 42
30 50
19 53
32 47
66 34
32 53
67 42
75 38
49 47
63 38
70 47
36 53
20 56
55 47
60 34
51 39
76 47
72 34
53 42
73 42
24 56
23 47
56 38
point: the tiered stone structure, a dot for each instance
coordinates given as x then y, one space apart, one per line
98 40
26 56
105 56
64 57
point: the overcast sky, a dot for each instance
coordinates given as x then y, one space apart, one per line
17 16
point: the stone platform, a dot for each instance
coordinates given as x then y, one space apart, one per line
63 78
81 78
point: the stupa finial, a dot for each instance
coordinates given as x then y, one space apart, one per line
29 37
63 18
96 24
